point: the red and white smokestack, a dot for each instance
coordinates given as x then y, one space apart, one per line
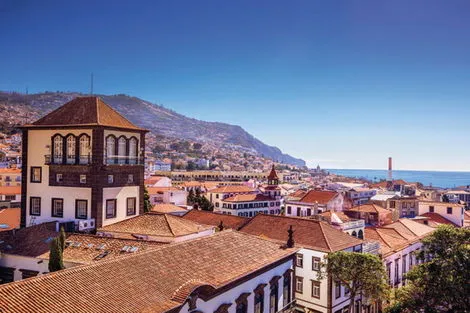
389 178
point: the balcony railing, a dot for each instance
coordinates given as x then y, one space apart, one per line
123 160
59 160
352 224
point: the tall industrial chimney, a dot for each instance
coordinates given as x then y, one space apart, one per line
389 178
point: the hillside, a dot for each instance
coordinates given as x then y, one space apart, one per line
17 109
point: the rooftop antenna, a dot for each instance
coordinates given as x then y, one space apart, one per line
26 90
91 85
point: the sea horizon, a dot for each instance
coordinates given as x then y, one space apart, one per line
435 178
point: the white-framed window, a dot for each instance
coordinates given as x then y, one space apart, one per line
111 208
315 263
315 289
59 177
35 206
57 207
131 205
84 149
110 179
110 149
122 143
71 149
81 209
299 284
132 150
83 179
299 260
58 149
130 178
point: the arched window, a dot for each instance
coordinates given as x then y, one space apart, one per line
58 149
361 234
132 150
354 233
122 143
84 149
71 149
110 150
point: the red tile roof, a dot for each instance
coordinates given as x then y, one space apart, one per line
10 190
232 189
168 208
84 111
316 196
369 208
214 219
273 175
154 224
308 233
156 280
28 241
435 219
10 218
248 198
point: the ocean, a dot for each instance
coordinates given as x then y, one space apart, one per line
436 179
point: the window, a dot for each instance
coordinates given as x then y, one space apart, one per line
259 302
71 149
449 210
389 272
131 204
241 306
130 178
289 210
346 290
360 234
315 264
110 179
316 289
286 289
299 284
337 289
392 204
273 298
431 208
58 149
354 234
84 149
10 197
82 179
403 265
299 260
122 143
110 149
111 208
57 207
35 206
36 174
411 259
59 178
397 275
309 212
299 211
133 150
81 209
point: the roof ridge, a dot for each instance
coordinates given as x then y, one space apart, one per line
324 236
97 110
169 226
381 237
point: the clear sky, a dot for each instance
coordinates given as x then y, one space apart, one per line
341 83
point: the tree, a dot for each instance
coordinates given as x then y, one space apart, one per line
56 262
445 198
190 198
147 204
359 272
61 238
441 282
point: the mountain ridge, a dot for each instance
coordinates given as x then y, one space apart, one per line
16 108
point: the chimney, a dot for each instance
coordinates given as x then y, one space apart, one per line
389 178
221 226
290 238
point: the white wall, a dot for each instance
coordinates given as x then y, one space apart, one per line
457 216
398 257
232 294
121 194
39 142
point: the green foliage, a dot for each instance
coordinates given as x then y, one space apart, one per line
56 262
198 200
190 199
147 204
442 282
360 272
62 238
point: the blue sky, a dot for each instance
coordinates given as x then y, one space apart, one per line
341 83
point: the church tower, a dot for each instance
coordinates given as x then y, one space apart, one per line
272 189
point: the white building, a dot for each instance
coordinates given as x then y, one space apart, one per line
171 278
453 212
172 195
83 163
317 239
360 195
315 202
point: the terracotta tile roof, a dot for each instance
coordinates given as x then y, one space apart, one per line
435 219
369 208
84 111
273 175
155 190
335 216
10 171
214 219
447 204
10 218
232 189
248 198
29 241
10 190
168 208
398 235
322 197
156 280
297 194
154 224
308 233
91 247
384 184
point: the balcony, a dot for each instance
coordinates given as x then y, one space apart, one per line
59 160
352 224
124 160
